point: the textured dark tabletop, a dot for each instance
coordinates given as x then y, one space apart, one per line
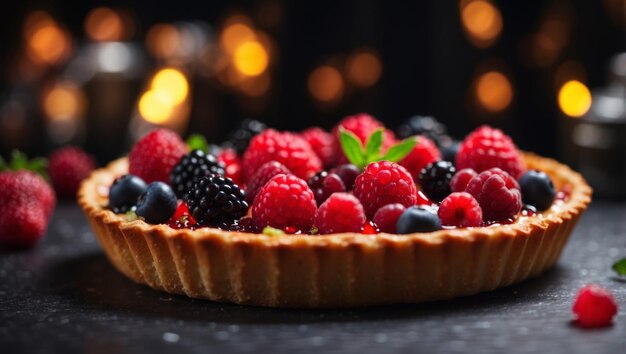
64 297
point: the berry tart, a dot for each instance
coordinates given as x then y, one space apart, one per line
346 218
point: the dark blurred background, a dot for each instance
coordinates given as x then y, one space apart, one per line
99 74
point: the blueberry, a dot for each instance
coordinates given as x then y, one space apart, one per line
537 189
449 151
124 193
417 219
157 204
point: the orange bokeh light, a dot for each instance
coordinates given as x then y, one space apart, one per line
364 68
494 91
46 42
163 40
482 22
326 84
104 24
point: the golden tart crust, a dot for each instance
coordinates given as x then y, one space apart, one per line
338 270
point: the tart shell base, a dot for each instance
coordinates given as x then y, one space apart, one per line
333 271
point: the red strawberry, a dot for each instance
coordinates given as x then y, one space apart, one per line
422 154
27 202
154 156
322 143
67 167
287 148
362 125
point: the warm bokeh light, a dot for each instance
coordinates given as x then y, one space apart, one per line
257 86
574 98
494 91
173 83
482 21
163 40
64 101
326 84
569 70
251 58
235 35
104 24
156 106
46 42
364 68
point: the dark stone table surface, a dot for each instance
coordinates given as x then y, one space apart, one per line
64 297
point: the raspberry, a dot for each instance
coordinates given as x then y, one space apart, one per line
154 156
461 179
322 143
240 138
342 212
434 179
216 201
232 165
67 167
461 210
284 201
422 154
287 148
386 217
362 125
323 184
497 193
594 307
264 174
192 166
486 148
384 183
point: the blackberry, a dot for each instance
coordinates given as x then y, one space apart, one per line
424 125
216 201
192 166
434 179
240 138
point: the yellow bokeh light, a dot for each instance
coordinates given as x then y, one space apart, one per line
173 83
156 106
494 91
482 21
364 69
326 84
64 102
251 59
104 24
574 98
235 35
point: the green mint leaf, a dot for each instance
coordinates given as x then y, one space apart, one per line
18 160
198 142
620 267
352 147
39 165
373 145
270 231
400 150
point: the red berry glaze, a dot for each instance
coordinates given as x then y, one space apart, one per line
289 149
362 125
341 212
322 142
387 217
154 156
487 148
369 228
594 307
422 154
67 167
284 201
182 219
262 176
460 209
232 165
461 179
497 193
384 183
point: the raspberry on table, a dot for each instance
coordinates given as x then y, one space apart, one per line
67 167
460 209
341 212
497 193
321 142
287 148
434 179
262 176
324 184
461 179
422 154
384 183
594 307
154 156
387 217
216 201
285 201
191 167
487 148
362 125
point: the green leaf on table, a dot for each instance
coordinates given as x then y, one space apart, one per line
620 267
400 150
373 145
198 142
352 147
